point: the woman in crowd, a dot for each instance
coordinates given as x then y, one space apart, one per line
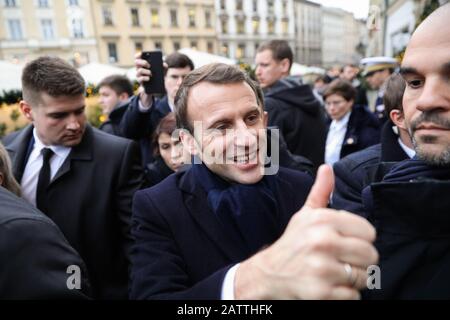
7 179
351 127
168 152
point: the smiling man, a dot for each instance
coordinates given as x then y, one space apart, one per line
211 232
81 178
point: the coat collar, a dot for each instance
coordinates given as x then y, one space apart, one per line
19 146
390 148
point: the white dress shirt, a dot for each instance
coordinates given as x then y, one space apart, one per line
33 167
410 152
335 139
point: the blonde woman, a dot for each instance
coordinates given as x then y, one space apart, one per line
7 179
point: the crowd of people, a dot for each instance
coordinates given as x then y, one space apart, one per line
231 188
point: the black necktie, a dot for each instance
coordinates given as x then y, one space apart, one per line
44 180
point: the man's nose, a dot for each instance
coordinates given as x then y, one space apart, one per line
73 124
435 95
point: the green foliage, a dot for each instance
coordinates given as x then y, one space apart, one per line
10 97
247 68
3 128
95 116
14 115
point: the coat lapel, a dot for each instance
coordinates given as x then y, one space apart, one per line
196 202
17 150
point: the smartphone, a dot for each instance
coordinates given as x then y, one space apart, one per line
156 82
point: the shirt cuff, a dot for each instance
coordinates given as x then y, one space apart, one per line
228 284
143 108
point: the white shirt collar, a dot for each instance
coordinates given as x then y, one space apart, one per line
339 124
410 152
60 151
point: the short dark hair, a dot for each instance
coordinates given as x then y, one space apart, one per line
179 60
215 73
118 83
393 95
280 50
168 125
342 88
53 76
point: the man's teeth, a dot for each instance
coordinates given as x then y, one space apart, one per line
242 159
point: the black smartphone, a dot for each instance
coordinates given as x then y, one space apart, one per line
156 82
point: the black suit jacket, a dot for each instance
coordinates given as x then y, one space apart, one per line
181 250
356 171
34 255
90 200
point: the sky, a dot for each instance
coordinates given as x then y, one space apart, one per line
359 8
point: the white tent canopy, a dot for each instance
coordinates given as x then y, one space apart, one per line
95 72
200 58
10 76
300 70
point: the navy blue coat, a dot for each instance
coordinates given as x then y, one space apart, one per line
181 250
359 169
363 130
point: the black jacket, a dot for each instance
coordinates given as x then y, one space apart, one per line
356 171
34 255
90 201
363 130
293 108
112 125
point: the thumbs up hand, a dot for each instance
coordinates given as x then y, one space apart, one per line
323 253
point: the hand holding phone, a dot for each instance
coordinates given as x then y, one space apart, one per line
156 82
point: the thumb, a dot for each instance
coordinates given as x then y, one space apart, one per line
322 188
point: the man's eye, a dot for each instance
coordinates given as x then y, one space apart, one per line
165 146
252 119
57 116
414 84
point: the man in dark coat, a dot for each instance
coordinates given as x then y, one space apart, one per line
37 261
358 170
81 178
292 106
211 232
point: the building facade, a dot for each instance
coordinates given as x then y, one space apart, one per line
126 27
32 28
308 31
244 24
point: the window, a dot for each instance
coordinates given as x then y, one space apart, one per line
284 5
285 27
112 52
134 17
77 28
173 18
255 25
240 27
271 27
158 45
43 4
15 29
194 45
155 17
210 47
239 5
240 52
176 45
73 3
224 25
191 13
225 49
47 29
270 6
10 3
222 4
107 16
255 5
208 19
138 47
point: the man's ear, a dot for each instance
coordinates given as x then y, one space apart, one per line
124 96
398 118
285 65
189 142
1 179
26 110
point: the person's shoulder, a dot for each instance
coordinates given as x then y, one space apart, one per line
294 177
15 135
104 138
363 116
360 159
164 189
